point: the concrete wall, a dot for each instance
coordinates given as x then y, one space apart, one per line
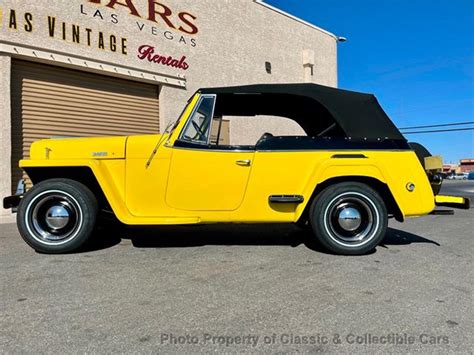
5 130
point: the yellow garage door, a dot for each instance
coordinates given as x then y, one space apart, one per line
49 101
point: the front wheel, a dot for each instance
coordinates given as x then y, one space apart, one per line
57 216
349 218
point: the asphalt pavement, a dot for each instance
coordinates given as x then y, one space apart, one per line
242 288
463 188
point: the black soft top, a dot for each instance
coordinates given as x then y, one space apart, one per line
315 107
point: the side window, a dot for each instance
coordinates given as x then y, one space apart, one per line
198 127
247 131
220 132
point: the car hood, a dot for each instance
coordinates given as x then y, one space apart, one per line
79 148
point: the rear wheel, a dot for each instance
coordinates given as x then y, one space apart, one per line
349 218
57 216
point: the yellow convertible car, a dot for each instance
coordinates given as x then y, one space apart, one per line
349 172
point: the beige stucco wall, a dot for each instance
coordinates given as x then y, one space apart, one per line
5 130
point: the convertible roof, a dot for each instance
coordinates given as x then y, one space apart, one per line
314 107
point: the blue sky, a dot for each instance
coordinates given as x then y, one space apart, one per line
417 57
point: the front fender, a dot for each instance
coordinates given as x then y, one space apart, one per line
110 175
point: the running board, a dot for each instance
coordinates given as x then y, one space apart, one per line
286 199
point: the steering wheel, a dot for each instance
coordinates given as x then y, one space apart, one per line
199 131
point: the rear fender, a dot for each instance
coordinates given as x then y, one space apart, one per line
394 171
348 170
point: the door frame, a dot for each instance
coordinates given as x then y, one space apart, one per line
190 117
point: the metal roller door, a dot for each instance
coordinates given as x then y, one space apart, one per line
49 101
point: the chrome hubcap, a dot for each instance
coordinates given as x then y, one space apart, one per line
53 217
349 219
57 217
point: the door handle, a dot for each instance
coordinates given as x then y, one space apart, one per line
243 162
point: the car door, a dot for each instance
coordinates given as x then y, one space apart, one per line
202 175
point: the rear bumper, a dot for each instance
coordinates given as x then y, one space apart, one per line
12 201
453 202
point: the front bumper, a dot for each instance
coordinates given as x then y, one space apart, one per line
453 202
12 201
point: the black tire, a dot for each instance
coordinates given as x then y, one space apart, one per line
57 216
349 218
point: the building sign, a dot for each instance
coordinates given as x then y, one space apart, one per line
72 33
147 18
156 12
147 52
158 19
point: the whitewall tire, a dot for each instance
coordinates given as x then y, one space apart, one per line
349 218
57 216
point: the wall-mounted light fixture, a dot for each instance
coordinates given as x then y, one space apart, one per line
308 64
